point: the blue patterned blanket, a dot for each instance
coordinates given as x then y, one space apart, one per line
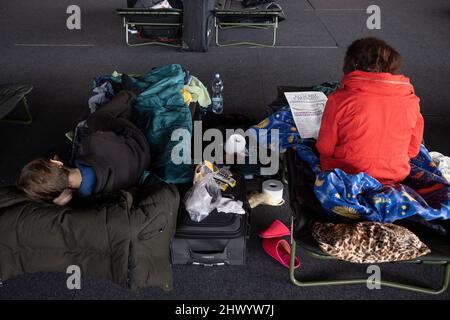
359 196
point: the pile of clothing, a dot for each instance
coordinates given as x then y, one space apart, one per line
160 109
359 197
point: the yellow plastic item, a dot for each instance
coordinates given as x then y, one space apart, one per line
187 96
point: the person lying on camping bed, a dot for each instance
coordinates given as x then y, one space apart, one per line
372 123
112 156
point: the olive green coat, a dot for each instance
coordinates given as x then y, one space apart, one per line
122 237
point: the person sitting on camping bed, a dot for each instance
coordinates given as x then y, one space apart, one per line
372 122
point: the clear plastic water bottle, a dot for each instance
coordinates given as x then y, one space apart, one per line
217 97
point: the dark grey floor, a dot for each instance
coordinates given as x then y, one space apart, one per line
311 47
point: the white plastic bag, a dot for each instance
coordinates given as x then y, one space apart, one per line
202 198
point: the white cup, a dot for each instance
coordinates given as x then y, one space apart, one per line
235 145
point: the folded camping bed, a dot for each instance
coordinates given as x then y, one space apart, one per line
12 96
232 14
306 207
158 26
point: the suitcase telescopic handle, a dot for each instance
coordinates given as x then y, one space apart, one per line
209 258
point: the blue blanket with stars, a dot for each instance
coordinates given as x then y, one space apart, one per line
359 196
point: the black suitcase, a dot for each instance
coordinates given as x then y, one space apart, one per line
198 24
219 239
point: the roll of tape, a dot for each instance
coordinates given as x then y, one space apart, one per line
273 189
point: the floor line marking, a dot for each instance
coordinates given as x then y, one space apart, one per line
52 45
334 9
296 47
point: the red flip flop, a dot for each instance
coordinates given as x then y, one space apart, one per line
276 230
280 250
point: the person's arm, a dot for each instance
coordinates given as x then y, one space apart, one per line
416 137
328 133
104 118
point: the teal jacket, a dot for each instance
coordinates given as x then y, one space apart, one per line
161 104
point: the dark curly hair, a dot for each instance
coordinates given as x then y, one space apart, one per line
372 55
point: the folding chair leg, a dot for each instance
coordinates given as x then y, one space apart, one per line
27 120
397 285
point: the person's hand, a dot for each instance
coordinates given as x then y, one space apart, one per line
57 163
64 197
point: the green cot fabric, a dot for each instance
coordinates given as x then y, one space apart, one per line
11 95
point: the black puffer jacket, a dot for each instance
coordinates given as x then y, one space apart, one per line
124 237
113 146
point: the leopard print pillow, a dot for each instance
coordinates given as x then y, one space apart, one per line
368 242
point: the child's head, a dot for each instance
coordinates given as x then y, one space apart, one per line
44 179
372 55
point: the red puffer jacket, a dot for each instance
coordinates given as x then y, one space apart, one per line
371 124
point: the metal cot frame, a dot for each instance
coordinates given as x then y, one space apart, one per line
27 120
125 13
316 283
220 25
